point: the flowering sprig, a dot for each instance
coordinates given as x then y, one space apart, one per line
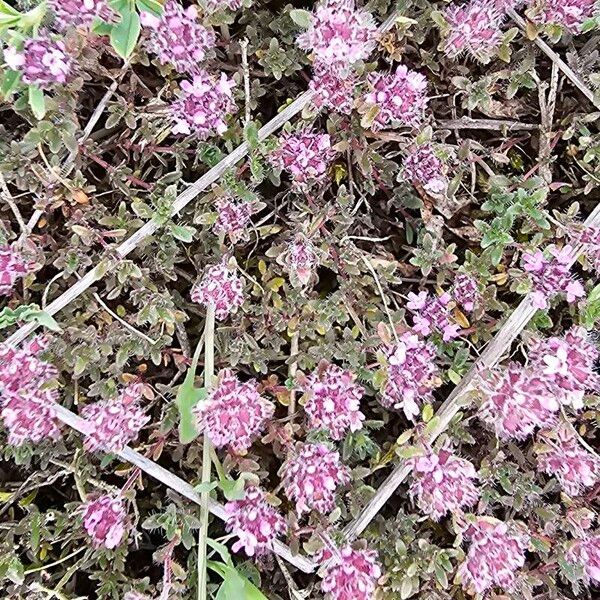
432 313
233 217
300 260
422 166
13 266
570 14
105 521
78 13
220 287
333 89
585 552
466 291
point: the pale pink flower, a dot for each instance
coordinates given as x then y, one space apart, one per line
203 105
177 37
570 14
300 260
568 363
412 374
562 456
255 522
586 553
333 89
442 483
432 313
339 33
399 98
26 399
590 239
234 414
115 422
474 27
305 155
351 575
222 288
496 552
43 61
423 167
78 13
466 291
311 476
13 266
133 595
233 218
333 401
552 276
105 520
516 400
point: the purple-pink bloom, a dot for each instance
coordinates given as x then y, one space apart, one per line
339 33
13 266
234 414
350 574
516 400
466 291
561 455
585 552
442 483
432 313
105 519
497 550
305 154
311 476
590 239
203 105
333 401
27 403
570 14
412 374
300 260
474 27
333 89
177 37
399 98
115 422
78 13
568 363
255 522
43 61
233 217
222 288
551 276
423 167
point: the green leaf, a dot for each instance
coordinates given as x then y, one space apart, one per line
7 9
125 34
10 81
154 7
302 18
221 549
187 397
184 233
235 586
37 101
233 489
100 27
45 319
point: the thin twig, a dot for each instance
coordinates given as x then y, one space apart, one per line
292 371
12 205
246 70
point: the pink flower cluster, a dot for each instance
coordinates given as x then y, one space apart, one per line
570 14
516 401
333 401
586 553
204 104
411 374
339 34
305 155
399 98
116 422
104 519
474 27
333 89
432 313
222 288
43 61
255 522
311 476
566 459
466 291
442 483
423 167
351 575
13 266
495 553
233 218
26 400
590 238
234 414
78 13
567 364
551 276
300 260
177 38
